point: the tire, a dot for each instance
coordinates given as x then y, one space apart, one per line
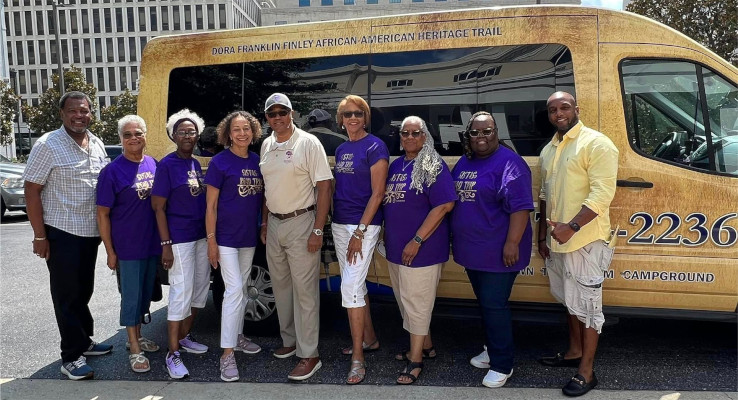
260 317
2 209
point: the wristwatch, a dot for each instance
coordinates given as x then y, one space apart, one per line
418 239
574 226
362 228
318 232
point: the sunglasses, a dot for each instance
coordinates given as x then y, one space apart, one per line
129 135
281 113
357 114
484 132
190 133
407 133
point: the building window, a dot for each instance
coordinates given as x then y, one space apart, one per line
17 24
108 20
198 16
280 22
95 21
154 19
102 102
121 49
222 16
31 53
395 1
132 49
42 51
98 50
134 78
65 51
130 20
101 79
348 2
304 3
87 50
109 49
119 20
141 19
22 82
19 52
165 18
75 50
29 23
142 43
44 80
372 2
187 10
326 2
85 21
53 52
73 21
39 23
34 82
175 18
50 18
399 83
88 74
63 22
111 79
211 16
123 79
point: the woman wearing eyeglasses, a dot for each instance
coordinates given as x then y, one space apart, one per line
419 194
128 230
492 236
361 172
234 199
178 199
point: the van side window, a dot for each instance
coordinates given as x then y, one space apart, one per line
681 113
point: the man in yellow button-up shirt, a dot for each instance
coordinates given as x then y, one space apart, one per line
579 170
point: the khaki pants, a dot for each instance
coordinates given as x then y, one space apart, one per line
295 280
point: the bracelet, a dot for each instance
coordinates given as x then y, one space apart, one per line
357 236
210 235
39 239
166 242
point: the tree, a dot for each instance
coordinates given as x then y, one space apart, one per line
8 104
45 117
713 23
109 116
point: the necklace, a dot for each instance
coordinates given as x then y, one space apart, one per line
407 165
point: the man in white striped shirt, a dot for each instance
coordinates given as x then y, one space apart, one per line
60 180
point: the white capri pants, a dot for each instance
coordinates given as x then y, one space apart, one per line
353 275
235 267
189 279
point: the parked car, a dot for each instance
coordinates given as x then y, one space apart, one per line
113 151
11 186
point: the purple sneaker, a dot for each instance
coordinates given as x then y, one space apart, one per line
246 345
228 368
190 345
175 366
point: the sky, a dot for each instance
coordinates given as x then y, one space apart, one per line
613 4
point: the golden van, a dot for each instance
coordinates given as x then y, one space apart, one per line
669 104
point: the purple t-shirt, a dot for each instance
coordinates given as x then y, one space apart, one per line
125 186
239 202
180 181
489 190
405 210
354 179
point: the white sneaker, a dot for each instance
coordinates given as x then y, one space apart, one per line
494 379
481 360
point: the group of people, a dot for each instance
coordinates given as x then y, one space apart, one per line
171 211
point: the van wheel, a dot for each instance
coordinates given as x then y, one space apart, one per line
260 315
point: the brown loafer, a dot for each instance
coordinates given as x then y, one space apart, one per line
285 352
306 368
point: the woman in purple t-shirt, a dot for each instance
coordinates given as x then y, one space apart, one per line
234 198
418 196
361 171
492 235
128 230
178 199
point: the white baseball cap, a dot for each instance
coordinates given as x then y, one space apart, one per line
277 98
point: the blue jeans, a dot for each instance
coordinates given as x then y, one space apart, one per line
136 287
493 291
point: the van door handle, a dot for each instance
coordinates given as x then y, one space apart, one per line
634 183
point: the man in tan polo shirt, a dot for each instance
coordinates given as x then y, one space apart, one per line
293 163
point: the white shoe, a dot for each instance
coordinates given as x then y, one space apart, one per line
494 379
481 360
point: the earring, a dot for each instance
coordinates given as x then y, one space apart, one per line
343 128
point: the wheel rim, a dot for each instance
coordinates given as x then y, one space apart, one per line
260 303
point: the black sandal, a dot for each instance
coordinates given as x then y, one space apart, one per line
426 354
407 372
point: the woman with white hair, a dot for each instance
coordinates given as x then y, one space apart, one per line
127 228
419 194
178 199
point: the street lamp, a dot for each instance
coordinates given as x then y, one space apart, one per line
55 4
13 76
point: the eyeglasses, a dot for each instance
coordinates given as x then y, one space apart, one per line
357 114
281 113
484 132
129 135
407 133
190 133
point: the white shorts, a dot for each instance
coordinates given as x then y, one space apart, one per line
576 281
353 275
189 279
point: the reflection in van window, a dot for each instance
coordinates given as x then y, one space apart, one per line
665 119
444 87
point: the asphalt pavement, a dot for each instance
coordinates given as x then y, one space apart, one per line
637 358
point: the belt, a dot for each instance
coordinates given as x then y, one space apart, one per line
294 213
